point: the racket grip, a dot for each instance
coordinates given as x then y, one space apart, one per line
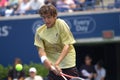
52 67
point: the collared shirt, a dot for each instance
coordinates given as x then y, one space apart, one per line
53 39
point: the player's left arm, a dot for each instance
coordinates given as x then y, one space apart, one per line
62 55
66 39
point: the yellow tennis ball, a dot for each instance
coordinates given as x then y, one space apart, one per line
19 67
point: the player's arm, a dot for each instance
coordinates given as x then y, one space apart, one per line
61 57
42 54
63 54
45 61
66 39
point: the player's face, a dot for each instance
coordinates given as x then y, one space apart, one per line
49 20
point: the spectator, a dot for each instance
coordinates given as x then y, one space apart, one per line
14 74
80 4
101 72
33 76
36 4
49 2
87 71
23 7
68 4
13 2
9 11
12 6
3 3
89 4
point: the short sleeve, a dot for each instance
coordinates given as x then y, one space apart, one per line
38 41
65 33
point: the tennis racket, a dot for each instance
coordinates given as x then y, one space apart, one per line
65 76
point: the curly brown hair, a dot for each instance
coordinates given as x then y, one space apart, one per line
48 9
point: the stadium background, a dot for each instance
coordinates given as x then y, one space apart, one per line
96 32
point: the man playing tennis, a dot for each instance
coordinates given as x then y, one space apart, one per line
54 42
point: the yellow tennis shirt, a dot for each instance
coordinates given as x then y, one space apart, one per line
53 39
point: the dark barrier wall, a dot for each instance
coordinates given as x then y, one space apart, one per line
17 34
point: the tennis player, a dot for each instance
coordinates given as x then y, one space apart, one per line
54 42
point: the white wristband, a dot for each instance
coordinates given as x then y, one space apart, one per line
43 58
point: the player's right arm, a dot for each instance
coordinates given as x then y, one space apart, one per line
46 62
39 43
40 47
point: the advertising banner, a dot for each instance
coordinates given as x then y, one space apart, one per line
17 35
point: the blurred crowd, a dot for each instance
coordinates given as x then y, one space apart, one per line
22 7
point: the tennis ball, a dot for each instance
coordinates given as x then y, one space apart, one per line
19 67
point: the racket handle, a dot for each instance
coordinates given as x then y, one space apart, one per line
53 68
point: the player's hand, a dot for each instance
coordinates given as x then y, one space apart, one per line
58 69
49 65
54 70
